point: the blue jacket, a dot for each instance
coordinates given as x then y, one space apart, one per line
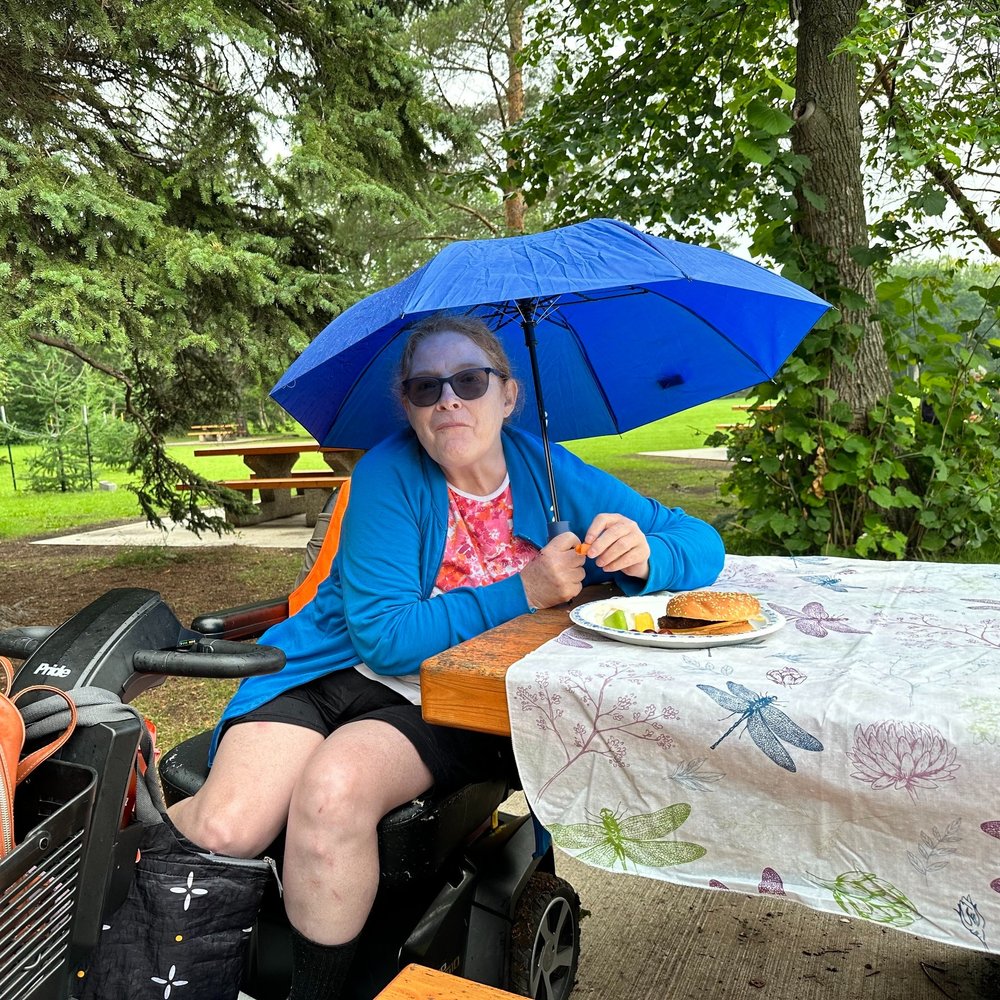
375 607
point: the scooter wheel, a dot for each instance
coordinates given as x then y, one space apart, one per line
545 939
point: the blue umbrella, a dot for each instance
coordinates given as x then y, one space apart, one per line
621 328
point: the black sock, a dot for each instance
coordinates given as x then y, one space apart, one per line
319 971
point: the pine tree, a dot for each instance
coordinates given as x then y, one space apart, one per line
178 187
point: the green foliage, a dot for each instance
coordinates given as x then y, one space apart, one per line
186 184
682 118
921 479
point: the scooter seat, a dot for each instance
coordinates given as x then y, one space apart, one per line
414 840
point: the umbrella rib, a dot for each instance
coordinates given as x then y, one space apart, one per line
713 328
568 326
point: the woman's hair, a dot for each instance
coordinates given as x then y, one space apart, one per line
468 326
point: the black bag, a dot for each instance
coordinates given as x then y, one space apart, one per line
185 922
185 925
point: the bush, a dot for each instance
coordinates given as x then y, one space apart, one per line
921 479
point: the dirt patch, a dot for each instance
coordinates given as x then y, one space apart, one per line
48 584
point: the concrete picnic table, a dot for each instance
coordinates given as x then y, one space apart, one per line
282 491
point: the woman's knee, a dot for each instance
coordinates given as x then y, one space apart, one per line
227 827
334 802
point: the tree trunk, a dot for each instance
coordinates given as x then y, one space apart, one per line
828 132
514 198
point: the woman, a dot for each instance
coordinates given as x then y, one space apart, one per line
444 537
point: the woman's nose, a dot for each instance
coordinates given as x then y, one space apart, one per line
448 399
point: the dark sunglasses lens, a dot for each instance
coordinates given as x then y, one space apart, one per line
423 391
471 384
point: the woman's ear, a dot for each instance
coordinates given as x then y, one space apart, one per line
510 390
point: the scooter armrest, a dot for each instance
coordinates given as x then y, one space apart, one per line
248 621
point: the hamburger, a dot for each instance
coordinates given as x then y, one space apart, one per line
709 612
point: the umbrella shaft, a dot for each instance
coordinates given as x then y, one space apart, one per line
526 307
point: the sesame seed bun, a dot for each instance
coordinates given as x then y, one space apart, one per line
709 612
714 605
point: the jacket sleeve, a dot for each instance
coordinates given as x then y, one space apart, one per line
392 625
685 552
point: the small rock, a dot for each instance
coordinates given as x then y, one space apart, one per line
107 486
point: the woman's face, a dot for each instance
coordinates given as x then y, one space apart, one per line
461 435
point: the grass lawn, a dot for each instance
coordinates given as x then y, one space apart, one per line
24 513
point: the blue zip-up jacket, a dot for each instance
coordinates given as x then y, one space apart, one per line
376 607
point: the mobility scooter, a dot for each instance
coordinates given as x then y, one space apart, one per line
463 887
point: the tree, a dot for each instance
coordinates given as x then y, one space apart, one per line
471 55
180 186
837 140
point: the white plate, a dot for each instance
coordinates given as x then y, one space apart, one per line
590 616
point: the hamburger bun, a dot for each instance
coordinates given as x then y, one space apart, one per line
710 612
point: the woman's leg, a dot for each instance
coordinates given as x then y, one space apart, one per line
363 771
243 804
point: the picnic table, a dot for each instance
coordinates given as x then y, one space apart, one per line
282 491
212 432
847 761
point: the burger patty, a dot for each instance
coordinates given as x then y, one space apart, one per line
673 621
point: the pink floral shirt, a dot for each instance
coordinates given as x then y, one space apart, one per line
480 547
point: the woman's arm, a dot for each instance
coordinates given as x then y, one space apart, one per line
386 567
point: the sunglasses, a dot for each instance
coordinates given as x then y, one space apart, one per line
425 390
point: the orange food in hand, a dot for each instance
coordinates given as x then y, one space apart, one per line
582 549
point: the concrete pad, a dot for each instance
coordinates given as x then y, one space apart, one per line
701 454
281 533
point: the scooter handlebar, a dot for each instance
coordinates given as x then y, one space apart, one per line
22 642
213 658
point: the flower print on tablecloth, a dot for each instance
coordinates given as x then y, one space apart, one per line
864 894
952 631
766 724
972 920
910 755
607 724
786 676
614 839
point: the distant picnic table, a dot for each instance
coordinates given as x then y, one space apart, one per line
212 432
283 492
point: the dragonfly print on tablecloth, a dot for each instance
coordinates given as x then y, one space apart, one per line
816 621
608 725
638 838
767 725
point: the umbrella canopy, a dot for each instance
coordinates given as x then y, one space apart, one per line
629 328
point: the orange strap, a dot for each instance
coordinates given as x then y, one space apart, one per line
320 569
29 763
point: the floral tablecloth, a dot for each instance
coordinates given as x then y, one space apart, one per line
851 761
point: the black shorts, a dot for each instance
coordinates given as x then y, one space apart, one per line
454 757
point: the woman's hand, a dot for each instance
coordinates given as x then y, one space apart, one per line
618 546
556 574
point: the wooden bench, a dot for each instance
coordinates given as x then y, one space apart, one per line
212 432
416 982
282 496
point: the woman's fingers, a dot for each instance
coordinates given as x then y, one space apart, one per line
556 574
617 545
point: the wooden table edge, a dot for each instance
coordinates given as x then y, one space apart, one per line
465 686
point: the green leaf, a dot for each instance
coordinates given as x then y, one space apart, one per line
768 118
752 151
